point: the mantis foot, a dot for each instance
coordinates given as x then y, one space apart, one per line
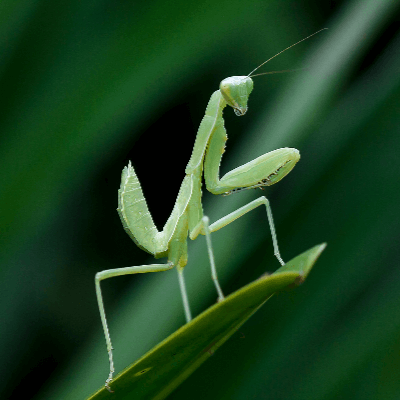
110 375
107 385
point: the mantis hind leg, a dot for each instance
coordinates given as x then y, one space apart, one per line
205 221
185 299
110 273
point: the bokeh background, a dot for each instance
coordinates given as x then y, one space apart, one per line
87 85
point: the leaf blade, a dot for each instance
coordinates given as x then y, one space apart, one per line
162 369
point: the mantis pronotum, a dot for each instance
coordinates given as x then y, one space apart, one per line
187 218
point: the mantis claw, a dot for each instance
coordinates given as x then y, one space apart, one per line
109 380
107 386
110 375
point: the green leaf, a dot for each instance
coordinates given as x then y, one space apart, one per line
168 364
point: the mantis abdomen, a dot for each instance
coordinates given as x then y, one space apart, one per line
134 213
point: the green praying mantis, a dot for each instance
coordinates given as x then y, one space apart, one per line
187 217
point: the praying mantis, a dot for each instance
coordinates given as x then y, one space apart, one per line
187 217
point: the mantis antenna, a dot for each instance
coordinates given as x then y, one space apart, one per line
287 48
278 72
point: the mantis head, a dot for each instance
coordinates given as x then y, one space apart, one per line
236 91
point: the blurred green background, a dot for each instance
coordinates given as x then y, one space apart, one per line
89 84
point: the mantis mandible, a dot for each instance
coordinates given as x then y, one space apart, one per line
187 217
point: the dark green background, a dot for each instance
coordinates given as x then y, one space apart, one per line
88 85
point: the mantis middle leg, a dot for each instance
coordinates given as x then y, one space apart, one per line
206 229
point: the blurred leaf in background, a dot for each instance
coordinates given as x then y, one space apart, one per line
88 85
